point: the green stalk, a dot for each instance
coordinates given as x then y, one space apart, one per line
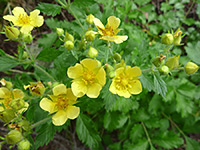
40 122
147 134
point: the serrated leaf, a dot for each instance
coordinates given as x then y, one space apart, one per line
48 40
49 9
155 104
136 132
147 82
83 3
160 85
187 89
54 23
168 140
192 144
141 145
86 131
193 51
7 63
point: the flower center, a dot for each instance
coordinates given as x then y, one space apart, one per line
122 82
108 31
24 19
88 77
62 102
7 102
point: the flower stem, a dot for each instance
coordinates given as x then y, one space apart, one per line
40 122
147 134
146 70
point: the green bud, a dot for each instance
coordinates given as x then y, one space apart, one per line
11 32
191 68
92 52
167 39
68 37
17 104
111 74
6 84
25 55
0 146
108 68
59 31
24 145
164 70
13 137
177 37
24 124
36 88
90 35
159 60
117 56
27 37
90 18
173 62
69 45
7 115
121 64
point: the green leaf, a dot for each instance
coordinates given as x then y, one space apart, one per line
160 85
193 51
168 140
189 21
49 9
7 63
155 104
54 23
187 89
141 145
86 131
147 82
49 54
48 40
192 144
83 3
2 53
136 132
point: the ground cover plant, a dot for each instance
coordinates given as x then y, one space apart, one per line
89 74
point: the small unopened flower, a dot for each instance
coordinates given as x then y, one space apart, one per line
89 77
24 145
173 62
59 31
36 88
13 137
109 32
92 52
6 84
167 39
21 19
177 37
11 32
191 68
90 35
125 83
61 103
90 18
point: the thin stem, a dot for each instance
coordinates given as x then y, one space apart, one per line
174 124
19 71
146 70
40 122
190 8
46 73
147 134
28 52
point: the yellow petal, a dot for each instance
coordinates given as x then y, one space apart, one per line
17 11
70 95
123 93
94 90
47 105
59 89
136 87
26 105
75 71
1 108
112 88
90 64
59 118
10 18
79 88
119 71
108 38
36 19
26 28
4 93
101 76
72 112
133 72
17 93
113 22
98 23
120 39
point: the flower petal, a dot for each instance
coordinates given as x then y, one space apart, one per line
10 18
133 72
75 71
94 90
112 88
120 39
47 105
72 112
98 23
108 38
1 108
79 88
59 118
136 87
70 95
26 105
36 19
26 28
17 11
123 93
17 93
90 64
59 89
4 93
101 76
113 22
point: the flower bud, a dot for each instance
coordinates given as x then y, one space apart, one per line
121 64
59 31
68 37
36 88
24 145
69 45
17 104
27 37
173 62
164 70
108 68
25 55
90 35
7 115
92 52
177 37
11 32
117 56
111 74
6 84
167 39
24 124
159 60
90 18
191 68
13 137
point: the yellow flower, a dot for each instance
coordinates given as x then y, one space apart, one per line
126 81
21 19
61 104
7 96
89 77
109 32
36 88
